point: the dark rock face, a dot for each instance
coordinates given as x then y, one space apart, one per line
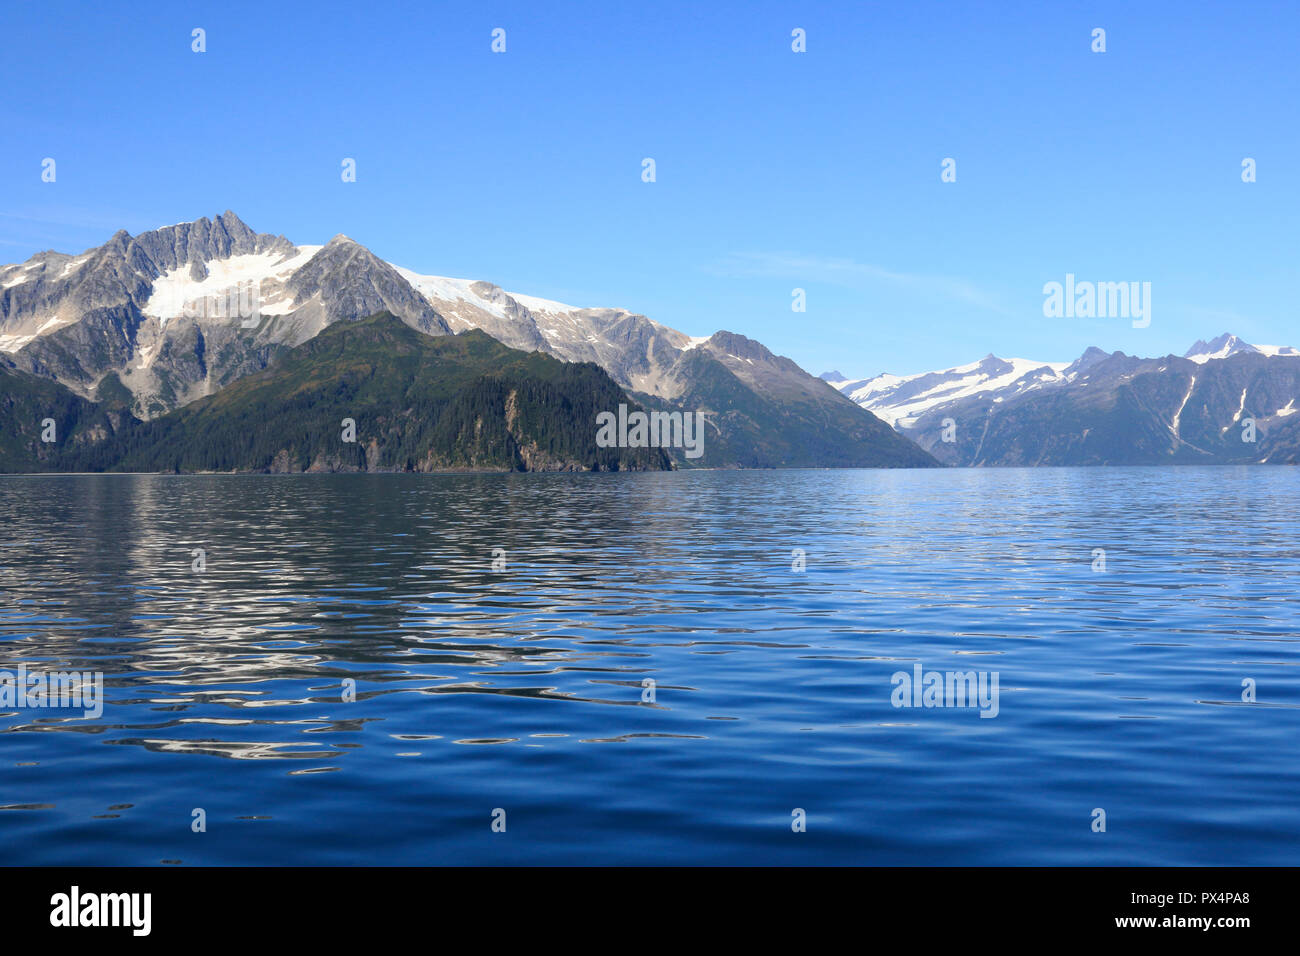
199 242
345 280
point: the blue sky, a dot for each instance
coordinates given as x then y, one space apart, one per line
775 170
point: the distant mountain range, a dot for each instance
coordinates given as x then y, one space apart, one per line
1223 402
159 327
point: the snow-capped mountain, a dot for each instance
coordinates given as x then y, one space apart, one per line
637 351
642 355
1227 344
1100 409
159 320
175 313
201 280
901 399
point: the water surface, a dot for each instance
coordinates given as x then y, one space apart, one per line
522 688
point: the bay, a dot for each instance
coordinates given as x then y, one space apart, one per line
502 633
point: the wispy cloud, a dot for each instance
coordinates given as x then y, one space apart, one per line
851 274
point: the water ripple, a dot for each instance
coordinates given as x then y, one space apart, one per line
660 613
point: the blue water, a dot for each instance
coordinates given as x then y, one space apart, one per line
521 689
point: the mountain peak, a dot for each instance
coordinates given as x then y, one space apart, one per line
1090 357
1217 348
741 346
233 225
1227 338
993 366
